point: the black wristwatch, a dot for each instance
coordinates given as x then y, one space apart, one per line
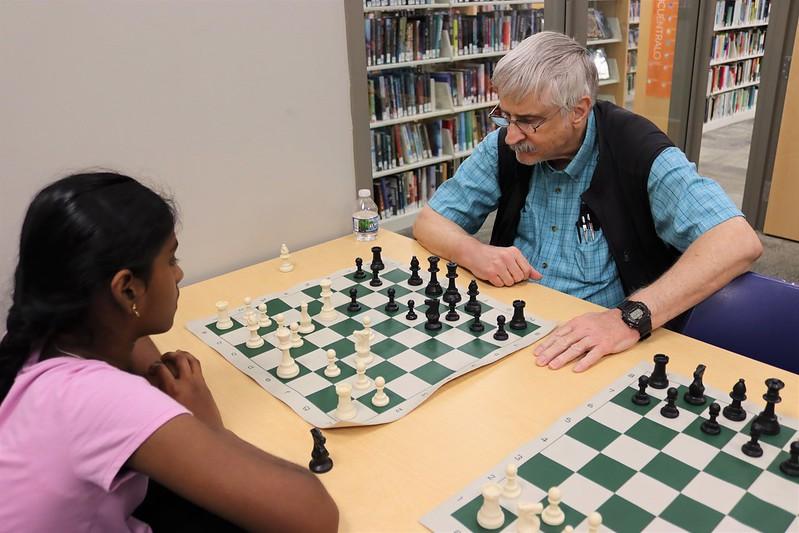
637 316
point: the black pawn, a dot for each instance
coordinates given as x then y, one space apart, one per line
472 304
518 321
641 397
658 378
433 315
767 421
477 326
734 411
354 306
391 306
711 426
375 281
695 395
359 272
500 334
670 410
790 466
752 448
320 457
452 314
411 314
377 261
415 278
434 287
452 294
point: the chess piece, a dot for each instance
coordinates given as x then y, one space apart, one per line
328 312
433 287
452 315
248 311
641 397
553 515
472 304
391 306
320 457
263 319
594 522
415 278
411 314
711 426
528 517
359 272
377 261
363 351
518 321
287 368
285 259
380 399
345 409
451 294
658 378
752 447
432 314
353 306
511 488
223 320
490 515
734 411
332 370
255 340
695 395
367 326
767 421
375 281
296 340
477 326
279 320
500 334
670 410
790 466
306 325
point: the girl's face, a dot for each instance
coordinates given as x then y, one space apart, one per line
157 308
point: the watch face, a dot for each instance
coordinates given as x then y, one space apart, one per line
637 313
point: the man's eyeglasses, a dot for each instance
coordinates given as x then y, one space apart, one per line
526 125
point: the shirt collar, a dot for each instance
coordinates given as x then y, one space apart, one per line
584 155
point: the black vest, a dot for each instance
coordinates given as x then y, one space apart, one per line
617 198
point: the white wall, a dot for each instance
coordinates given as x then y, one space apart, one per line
239 108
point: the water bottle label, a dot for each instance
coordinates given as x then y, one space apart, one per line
365 225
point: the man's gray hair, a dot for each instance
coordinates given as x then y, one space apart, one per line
549 65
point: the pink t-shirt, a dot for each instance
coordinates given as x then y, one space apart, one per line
67 427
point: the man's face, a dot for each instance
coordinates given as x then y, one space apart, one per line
553 137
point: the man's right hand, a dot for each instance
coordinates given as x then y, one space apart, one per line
498 265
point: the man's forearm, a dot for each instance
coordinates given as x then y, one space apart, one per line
712 261
443 237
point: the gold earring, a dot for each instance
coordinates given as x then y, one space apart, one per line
135 311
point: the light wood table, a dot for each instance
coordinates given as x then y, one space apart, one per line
386 477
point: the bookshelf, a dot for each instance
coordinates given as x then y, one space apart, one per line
736 52
429 65
608 33
633 26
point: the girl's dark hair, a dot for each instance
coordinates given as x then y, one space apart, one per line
77 234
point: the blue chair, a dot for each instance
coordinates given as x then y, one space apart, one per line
753 315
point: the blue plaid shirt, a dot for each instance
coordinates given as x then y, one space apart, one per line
684 206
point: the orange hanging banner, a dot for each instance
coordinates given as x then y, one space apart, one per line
662 38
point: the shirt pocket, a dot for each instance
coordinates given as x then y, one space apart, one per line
592 259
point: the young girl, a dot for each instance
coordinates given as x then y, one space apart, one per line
80 432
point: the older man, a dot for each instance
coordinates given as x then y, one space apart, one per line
591 200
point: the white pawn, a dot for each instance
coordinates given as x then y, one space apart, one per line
594 522
287 368
255 340
296 340
367 326
279 320
345 410
553 514
248 310
528 517
306 326
568 529
223 320
361 382
285 259
511 488
332 370
490 515
263 319
380 399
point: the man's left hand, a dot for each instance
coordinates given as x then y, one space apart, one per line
592 335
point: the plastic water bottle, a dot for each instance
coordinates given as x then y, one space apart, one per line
365 219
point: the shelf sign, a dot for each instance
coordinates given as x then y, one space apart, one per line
662 38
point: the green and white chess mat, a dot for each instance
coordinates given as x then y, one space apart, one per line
645 472
413 361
